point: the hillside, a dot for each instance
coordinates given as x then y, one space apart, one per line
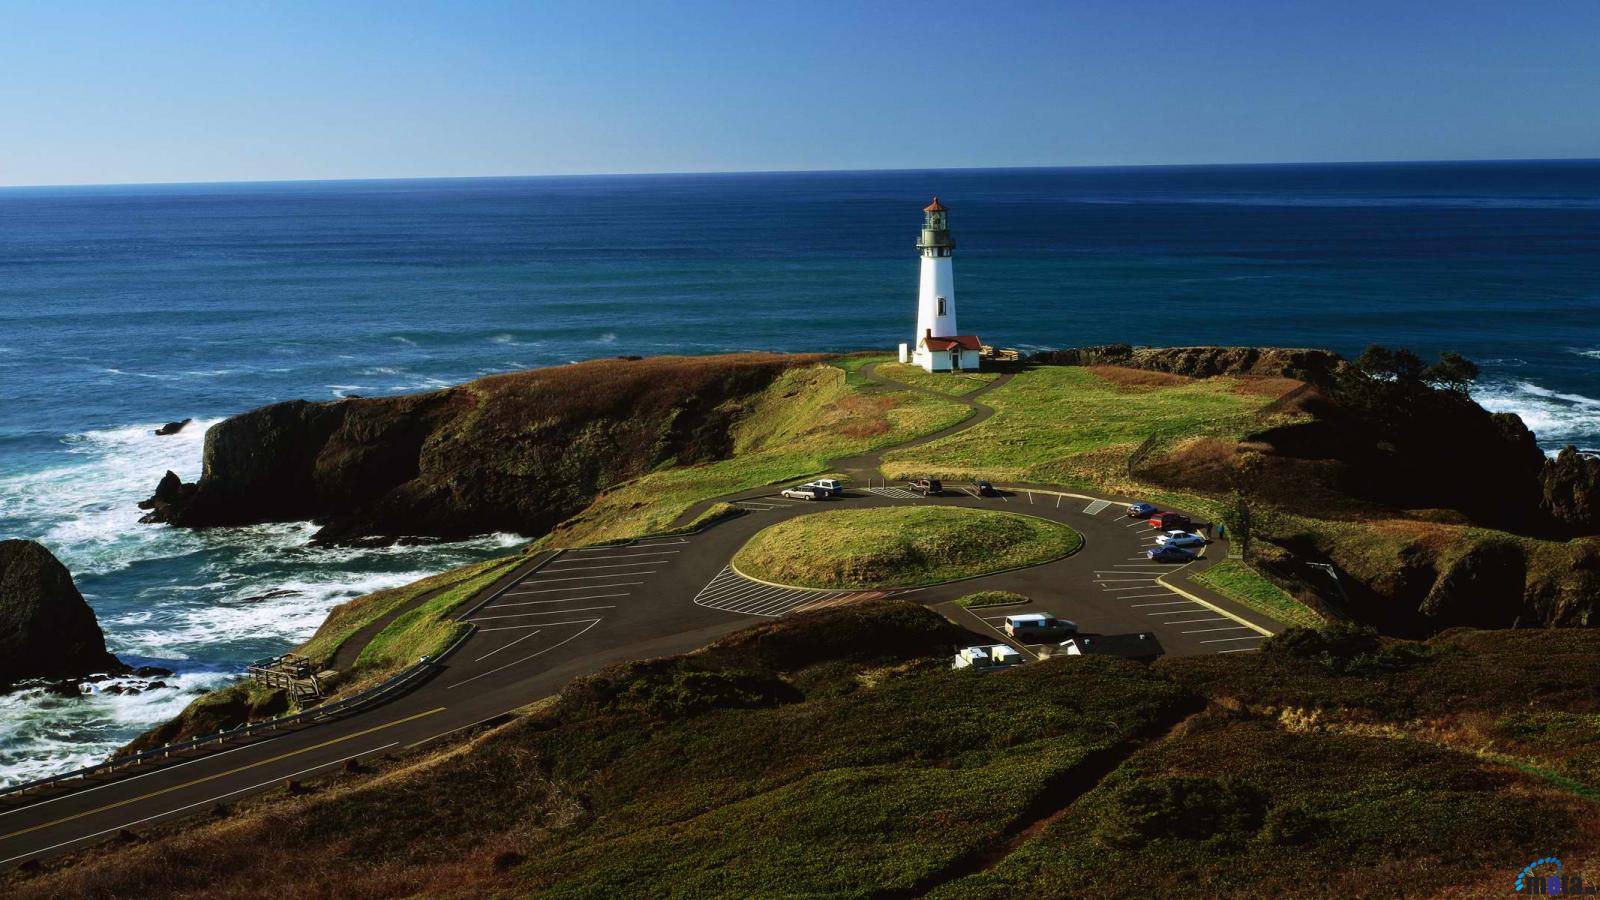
517 452
834 753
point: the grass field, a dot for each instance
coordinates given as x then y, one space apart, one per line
808 417
955 384
1067 424
900 547
1238 582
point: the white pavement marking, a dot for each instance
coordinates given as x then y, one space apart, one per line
593 577
1209 630
1191 621
1147 596
525 658
86 837
1253 637
1114 590
653 562
534 625
565 589
503 646
1096 507
1240 650
1167 603
561 600
1171 612
547 612
618 556
1058 500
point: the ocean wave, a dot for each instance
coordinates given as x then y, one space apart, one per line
1592 354
87 511
1556 418
46 734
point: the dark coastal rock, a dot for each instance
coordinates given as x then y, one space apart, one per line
1314 366
46 628
1571 486
172 427
517 452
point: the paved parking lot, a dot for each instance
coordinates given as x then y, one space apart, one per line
731 592
561 601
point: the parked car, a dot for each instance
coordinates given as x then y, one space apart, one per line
1171 521
830 486
1141 511
1037 627
927 487
984 488
1169 553
1180 539
803 492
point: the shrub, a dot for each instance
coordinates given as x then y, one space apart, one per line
1181 806
989 598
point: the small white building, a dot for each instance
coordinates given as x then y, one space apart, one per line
939 345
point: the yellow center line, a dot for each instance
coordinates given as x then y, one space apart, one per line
244 768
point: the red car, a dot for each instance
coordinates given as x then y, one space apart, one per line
1170 521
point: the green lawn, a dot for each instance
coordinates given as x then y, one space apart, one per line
990 598
953 383
808 418
1242 584
900 547
1051 422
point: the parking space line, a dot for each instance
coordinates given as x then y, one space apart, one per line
503 646
1192 621
1109 580
1147 596
559 612
1209 630
1252 637
593 577
1240 650
1171 612
653 562
619 556
1114 590
565 589
592 623
1166 603
1137 567
561 600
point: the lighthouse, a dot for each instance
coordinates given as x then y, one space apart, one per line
939 345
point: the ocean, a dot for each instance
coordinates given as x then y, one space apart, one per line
124 307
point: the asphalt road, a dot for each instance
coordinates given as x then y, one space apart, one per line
571 613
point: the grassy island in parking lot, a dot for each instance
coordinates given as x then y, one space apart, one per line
900 547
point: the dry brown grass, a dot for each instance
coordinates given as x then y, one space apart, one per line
1124 377
1265 385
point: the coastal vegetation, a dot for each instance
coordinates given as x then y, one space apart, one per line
807 418
900 547
956 384
834 753
1238 582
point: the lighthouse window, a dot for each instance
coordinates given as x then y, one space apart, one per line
941 306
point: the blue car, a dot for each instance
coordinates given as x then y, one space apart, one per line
1169 553
1141 511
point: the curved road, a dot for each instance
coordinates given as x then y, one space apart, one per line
572 612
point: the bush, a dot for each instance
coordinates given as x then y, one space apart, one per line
1181 806
1344 648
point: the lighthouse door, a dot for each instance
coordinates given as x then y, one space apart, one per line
955 359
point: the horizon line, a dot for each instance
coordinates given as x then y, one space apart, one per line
895 170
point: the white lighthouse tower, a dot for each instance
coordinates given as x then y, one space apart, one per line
939 344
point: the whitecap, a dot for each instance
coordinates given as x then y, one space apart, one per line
1592 354
609 337
1556 418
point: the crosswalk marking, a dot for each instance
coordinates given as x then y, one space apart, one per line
1094 508
732 592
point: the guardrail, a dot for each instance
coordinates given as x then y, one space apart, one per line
378 693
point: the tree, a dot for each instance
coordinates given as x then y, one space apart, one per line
1453 372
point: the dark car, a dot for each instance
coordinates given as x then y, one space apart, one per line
927 487
984 488
1169 553
1141 511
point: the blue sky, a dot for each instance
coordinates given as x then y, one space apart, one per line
99 92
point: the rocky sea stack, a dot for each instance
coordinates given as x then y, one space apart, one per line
516 452
47 631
